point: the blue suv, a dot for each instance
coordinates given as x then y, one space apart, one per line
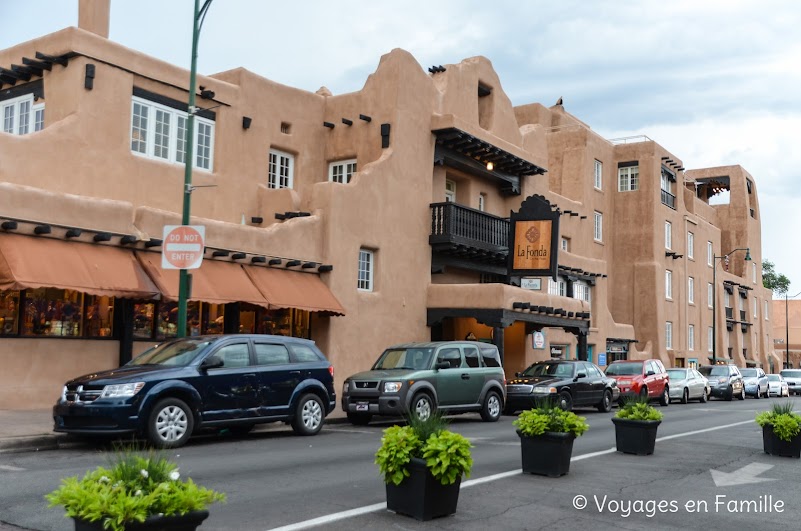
232 381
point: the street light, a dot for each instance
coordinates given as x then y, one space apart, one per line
715 295
787 329
199 15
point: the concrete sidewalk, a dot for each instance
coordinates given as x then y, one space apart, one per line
28 431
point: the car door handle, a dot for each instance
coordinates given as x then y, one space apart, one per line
294 373
465 376
252 374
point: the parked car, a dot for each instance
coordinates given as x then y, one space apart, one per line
756 382
569 383
725 381
793 379
687 384
644 378
232 381
420 378
778 385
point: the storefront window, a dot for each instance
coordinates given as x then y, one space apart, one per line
99 316
168 319
9 312
53 312
143 320
288 322
212 318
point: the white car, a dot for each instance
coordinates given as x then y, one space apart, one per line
687 384
793 379
777 385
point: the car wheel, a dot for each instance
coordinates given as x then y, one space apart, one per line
730 394
491 411
685 396
644 392
170 424
664 400
704 397
742 393
359 419
422 406
758 393
309 415
606 402
565 401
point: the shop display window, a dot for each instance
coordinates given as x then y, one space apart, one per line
9 313
284 322
212 318
53 312
144 314
99 316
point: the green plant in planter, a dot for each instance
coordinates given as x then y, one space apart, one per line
132 488
447 454
638 409
550 418
786 423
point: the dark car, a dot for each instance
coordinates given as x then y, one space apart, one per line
569 383
232 381
725 381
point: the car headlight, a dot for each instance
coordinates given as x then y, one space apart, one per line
392 387
122 390
543 390
345 387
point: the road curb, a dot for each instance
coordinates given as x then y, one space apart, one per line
32 443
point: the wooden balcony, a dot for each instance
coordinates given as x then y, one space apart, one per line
468 233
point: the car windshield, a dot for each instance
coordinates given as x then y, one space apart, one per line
677 374
624 369
748 373
550 369
174 353
774 378
718 370
405 358
791 373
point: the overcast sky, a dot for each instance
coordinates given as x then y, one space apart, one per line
714 82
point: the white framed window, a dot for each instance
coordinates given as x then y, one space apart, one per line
741 304
341 171
753 272
564 244
668 235
628 179
690 245
726 299
756 307
159 132
669 335
281 170
582 291
557 287
709 294
366 270
710 254
598 233
767 314
599 175
691 290
710 334
482 202
450 191
22 115
668 284
691 337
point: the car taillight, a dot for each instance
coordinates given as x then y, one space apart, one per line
331 370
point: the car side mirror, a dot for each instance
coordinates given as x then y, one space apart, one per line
212 362
580 375
443 365
518 374
650 373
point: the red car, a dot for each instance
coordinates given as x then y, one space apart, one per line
640 378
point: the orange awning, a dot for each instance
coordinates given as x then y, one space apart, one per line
292 289
29 262
214 281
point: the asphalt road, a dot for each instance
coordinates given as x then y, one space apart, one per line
273 478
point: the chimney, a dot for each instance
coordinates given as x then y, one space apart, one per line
93 15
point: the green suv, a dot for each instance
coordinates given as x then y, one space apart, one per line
419 378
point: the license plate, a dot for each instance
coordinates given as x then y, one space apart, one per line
361 407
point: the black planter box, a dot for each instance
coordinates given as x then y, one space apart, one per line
775 446
421 496
187 522
635 436
547 454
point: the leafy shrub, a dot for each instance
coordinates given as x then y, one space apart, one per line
638 409
132 488
550 418
786 424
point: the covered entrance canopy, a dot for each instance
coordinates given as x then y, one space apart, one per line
291 289
28 262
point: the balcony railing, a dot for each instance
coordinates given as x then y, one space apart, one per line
456 225
668 199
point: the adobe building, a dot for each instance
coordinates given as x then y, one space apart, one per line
787 332
357 220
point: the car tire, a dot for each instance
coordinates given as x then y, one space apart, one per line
309 415
565 401
359 419
758 393
704 397
492 408
742 394
664 400
170 423
685 396
422 406
606 402
644 392
730 394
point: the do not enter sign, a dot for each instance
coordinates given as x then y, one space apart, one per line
182 247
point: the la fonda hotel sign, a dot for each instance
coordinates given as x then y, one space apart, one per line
534 231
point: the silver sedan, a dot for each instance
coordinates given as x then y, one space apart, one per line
688 384
777 386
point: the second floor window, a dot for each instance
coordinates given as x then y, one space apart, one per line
482 202
767 315
668 284
598 233
341 171
565 244
22 115
710 255
599 175
709 295
690 245
669 335
581 291
366 270
450 191
557 287
628 179
691 290
691 337
668 235
280 173
710 334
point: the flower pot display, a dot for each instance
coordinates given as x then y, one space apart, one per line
773 445
547 454
636 437
421 496
183 522
781 431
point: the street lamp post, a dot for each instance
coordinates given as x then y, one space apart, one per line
787 329
715 296
199 15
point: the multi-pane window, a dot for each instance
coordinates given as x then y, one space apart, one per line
599 171
22 115
565 244
767 316
756 307
710 334
691 290
341 171
690 245
582 291
598 232
366 270
557 287
450 191
709 294
280 170
159 131
691 337
482 202
753 272
668 235
727 299
668 284
710 255
669 335
628 179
